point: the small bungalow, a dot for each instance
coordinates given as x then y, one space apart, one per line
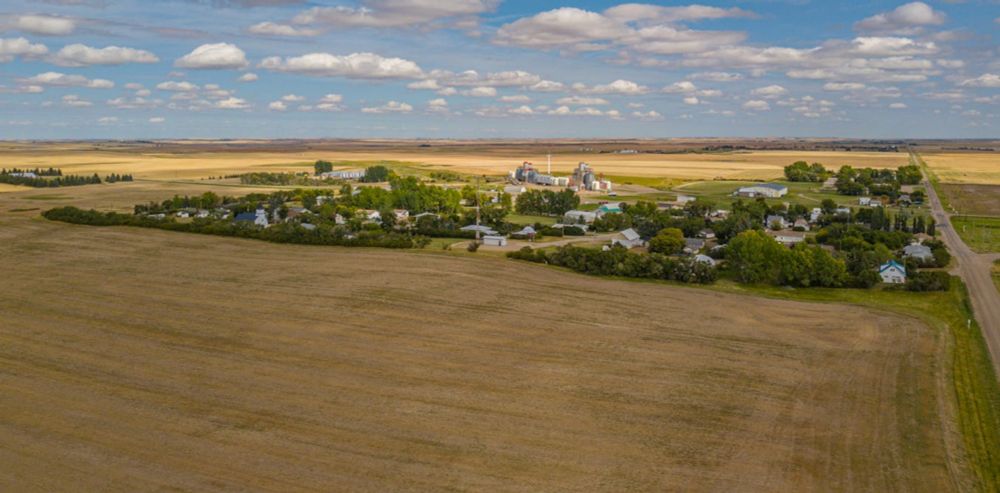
494 240
864 201
579 217
294 212
527 233
706 234
609 208
370 215
704 259
801 223
776 222
629 239
693 245
787 237
402 215
258 218
483 230
815 215
892 272
917 251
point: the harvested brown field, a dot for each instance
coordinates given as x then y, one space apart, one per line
973 200
975 168
135 359
186 161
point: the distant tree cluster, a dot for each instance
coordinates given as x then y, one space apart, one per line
376 174
322 167
547 202
115 177
876 182
801 171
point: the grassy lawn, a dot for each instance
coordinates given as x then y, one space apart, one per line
525 219
982 234
646 181
996 273
441 243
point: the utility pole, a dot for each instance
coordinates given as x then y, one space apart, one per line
477 210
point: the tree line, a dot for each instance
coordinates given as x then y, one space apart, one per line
279 233
617 261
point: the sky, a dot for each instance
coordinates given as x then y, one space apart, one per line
485 69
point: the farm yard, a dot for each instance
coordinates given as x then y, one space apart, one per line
249 369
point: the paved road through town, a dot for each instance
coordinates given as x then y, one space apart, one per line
974 269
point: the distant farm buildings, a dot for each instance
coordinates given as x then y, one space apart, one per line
583 178
768 190
343 175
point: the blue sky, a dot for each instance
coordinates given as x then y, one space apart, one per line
126 69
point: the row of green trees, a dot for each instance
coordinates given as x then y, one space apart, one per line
801 171
279 233
547 202
618 261
50 171
59 181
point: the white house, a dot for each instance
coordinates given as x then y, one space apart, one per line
628 239
801 223
770 190
371 215
494 240
815 215
865 201
892 272
776 220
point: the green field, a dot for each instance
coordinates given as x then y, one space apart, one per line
982 234
527 220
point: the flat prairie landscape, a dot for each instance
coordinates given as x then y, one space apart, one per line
180 161
974 168
136 359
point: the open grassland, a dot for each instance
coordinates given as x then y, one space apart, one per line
976 168
166 161
996 273
138 359
981 234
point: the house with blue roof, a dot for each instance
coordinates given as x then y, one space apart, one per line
892 272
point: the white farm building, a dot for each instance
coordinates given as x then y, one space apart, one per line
771 190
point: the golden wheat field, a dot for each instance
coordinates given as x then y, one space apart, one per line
968 168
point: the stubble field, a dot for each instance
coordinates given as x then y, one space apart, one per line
141 359
136 359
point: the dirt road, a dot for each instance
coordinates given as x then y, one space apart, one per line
974 269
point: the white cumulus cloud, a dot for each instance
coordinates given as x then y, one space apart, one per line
354 66
214 56
80 55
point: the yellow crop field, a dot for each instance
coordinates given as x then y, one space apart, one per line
979 168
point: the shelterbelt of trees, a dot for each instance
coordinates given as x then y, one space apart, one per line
861 181
53 177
